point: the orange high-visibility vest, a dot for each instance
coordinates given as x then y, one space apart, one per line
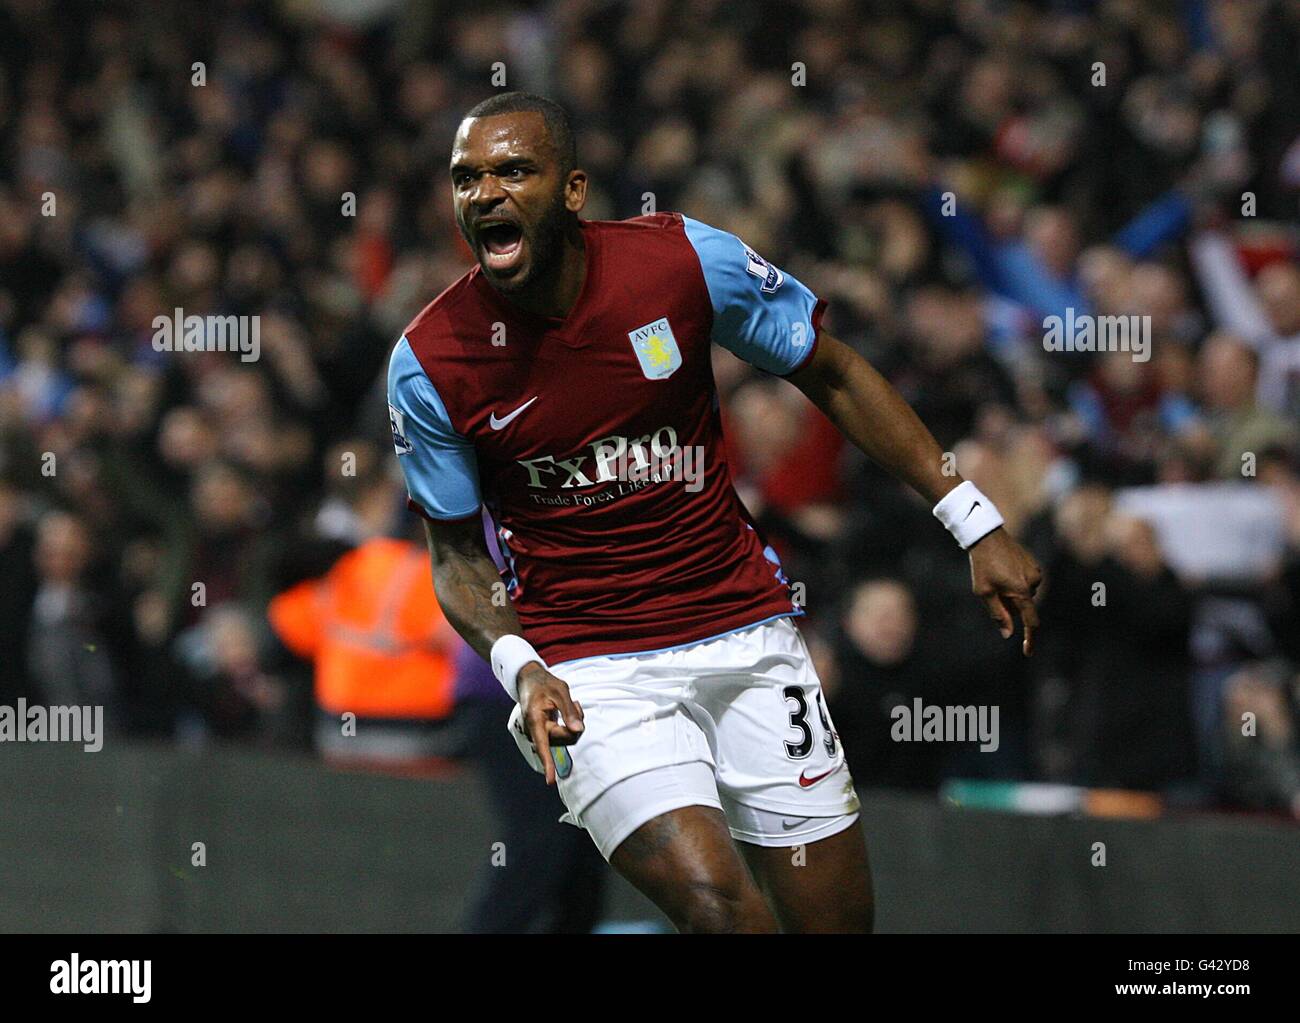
374 630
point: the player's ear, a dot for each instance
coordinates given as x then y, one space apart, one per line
575 191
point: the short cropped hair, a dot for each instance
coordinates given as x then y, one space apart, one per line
558 125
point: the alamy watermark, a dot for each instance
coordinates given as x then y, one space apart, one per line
933 723
77 976
36 723
181 333
1087 333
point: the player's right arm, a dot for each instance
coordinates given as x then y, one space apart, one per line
464 578
442 480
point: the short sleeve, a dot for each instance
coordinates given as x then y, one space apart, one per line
760 313
438 464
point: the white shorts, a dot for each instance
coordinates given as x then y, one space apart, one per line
737 722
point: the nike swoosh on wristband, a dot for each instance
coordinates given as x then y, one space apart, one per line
501 424
969 513
806 782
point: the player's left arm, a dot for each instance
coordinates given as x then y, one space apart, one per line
768 318
873 415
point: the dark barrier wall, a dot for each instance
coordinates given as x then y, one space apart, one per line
103 842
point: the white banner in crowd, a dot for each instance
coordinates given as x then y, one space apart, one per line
1228 532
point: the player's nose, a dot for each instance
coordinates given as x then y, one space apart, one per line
487 191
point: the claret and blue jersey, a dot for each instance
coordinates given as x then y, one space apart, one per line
594 440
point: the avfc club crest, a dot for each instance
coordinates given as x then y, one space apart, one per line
656 349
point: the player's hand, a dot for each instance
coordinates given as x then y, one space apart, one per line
550 713
1005 576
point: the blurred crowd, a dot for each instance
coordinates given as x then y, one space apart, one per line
949 175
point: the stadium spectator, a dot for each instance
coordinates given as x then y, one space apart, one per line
1228 374
382 655
1117 704
1263 751
878 668
238 698
72 625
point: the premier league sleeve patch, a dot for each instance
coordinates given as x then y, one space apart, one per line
656 349
771 276
397 421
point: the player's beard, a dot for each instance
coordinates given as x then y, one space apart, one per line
545 244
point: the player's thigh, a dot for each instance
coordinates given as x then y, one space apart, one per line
663 830
818 886
686 863
641 782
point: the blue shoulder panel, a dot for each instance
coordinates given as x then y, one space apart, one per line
760 313
439 465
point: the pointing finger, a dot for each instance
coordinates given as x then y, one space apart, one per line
570 710
537 731
999 613
1029 616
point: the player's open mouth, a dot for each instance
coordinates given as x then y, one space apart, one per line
502 245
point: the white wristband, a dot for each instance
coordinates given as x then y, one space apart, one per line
968 514
508 655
